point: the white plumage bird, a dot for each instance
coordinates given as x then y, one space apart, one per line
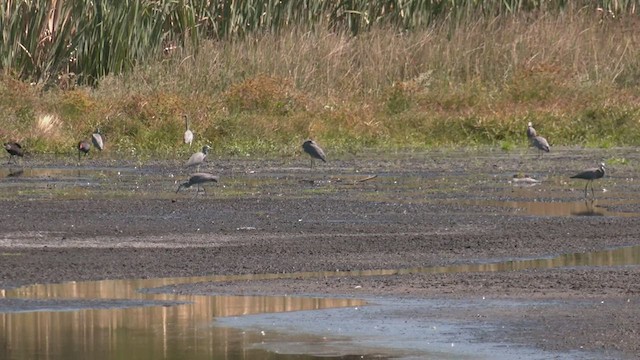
188 134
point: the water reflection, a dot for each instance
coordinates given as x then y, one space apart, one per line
589 207
151 332
186 331
15 172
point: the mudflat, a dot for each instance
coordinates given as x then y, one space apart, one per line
491 237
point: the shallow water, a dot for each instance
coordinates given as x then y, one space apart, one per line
552 196
111 318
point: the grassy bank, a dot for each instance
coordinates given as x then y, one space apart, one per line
574 74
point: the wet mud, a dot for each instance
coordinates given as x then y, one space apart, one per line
108 220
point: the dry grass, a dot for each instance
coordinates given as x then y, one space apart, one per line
575 74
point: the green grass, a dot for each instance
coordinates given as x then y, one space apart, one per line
469 81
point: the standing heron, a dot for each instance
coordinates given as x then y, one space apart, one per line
198 158
531 132
188 134
590 175
14 149
541 144
83 147
311 148
198 179
96 139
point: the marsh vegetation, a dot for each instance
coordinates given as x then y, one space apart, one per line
261 76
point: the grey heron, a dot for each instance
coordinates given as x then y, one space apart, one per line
198 158
541 144
198 179
188 134
83 147
590 175
312 148
14 149
97 140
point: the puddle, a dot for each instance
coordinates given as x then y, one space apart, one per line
110 318
559 208
60 321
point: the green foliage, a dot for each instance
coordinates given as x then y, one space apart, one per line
407 80
63 42
56 41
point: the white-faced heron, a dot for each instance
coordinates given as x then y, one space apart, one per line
311 148
188 134
590 175
531 132
14 149
198 158
198 179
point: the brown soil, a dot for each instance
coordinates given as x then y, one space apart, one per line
410 216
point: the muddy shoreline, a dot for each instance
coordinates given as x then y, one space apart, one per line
423 210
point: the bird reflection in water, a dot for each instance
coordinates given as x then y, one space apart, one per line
15 172
590 209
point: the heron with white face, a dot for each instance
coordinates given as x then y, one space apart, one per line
198 179
590 175
188 134
312 148
14 149
531 132
198 158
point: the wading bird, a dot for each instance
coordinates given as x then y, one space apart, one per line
311 148
96 139
198 158
83 147
590 175
198 179
14 149
541 144
188 134
531 132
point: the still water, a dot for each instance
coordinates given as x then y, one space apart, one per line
128 324
112 319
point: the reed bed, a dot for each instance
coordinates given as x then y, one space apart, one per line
460 73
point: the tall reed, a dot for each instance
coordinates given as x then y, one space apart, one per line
44 40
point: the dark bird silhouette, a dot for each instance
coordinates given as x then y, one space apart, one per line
198 179
531 132
14 149
541 144
97 140
198 158
83 147
311 148
590 175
